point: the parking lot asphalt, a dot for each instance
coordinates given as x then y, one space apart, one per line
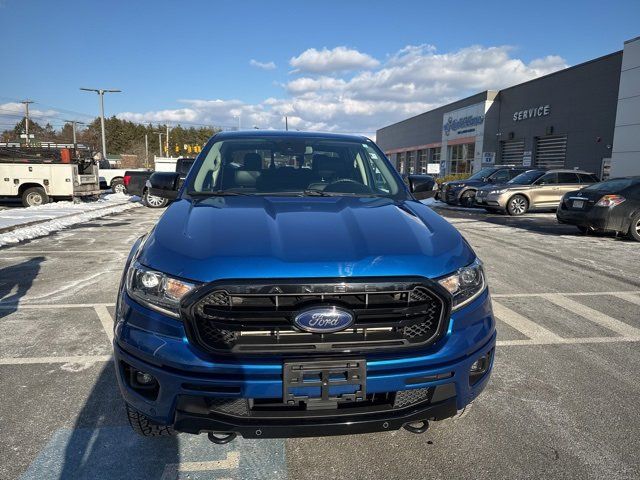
562 402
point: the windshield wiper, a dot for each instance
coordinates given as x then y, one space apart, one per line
215 193
322 193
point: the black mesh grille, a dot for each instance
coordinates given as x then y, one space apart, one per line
247 318
229 406
405 398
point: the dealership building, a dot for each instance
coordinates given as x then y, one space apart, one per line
563 120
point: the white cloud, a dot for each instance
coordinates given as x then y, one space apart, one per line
335 60
412 80
262 65
13 112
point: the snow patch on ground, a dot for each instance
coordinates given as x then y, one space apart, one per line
52 217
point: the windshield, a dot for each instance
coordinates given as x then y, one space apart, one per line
526 178
293 166
612 186
485 172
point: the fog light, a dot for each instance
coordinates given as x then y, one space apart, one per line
144 378
479 368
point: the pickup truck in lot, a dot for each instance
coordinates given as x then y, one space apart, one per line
113 178
135 182
296 287
39 174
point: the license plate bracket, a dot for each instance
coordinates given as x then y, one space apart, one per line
324 383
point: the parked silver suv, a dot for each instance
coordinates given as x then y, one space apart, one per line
534 189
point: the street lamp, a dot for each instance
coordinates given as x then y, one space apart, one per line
101 92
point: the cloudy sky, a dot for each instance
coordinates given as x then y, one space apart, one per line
339 66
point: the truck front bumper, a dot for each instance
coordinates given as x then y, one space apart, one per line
187 377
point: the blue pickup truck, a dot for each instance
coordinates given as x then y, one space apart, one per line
295 287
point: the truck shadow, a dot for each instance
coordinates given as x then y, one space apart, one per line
101 444
15 282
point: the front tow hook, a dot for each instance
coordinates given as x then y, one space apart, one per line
222 438
417 427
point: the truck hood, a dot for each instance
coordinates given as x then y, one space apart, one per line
302 237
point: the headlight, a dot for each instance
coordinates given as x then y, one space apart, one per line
466 284
499 192
156 290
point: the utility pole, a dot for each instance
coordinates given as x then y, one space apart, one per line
167 141
146 151
26 104
286 123
73 126
101 92
159 142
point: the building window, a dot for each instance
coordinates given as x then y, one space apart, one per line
411 162
461 158
422 161
435 155
401 159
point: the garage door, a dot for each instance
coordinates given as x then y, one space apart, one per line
551 151
511 152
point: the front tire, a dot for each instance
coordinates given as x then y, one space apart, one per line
34 196
517 205
152 201
468 198
634 228
143 426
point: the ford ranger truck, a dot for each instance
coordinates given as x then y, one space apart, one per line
295 287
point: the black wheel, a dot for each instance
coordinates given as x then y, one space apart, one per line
634 228
517 205
34 196
468 198
152 201
117 185
142 425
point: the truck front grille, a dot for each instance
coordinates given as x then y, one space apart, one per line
254 318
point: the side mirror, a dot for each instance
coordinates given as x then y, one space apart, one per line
421 184
164 184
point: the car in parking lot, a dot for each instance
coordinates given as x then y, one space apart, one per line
312 295
535 189
609 206
464 191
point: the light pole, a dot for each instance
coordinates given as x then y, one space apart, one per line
146 151
101 92
159 143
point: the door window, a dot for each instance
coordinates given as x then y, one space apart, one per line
568 177
548 179
501 176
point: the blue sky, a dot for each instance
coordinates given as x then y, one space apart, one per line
349 65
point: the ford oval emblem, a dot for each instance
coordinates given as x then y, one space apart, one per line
323 319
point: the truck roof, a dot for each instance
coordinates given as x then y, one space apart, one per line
243 134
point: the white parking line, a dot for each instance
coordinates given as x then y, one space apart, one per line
531 329
567 294
39 306
48 360
172 470
594 316
106 320
630 297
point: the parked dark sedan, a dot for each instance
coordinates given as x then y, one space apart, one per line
610 206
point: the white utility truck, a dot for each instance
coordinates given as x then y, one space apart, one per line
46 172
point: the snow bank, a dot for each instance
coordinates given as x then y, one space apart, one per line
21 224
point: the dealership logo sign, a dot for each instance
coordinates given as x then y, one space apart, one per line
463 122
539 111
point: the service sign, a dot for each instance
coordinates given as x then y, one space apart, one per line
532 112
489 158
